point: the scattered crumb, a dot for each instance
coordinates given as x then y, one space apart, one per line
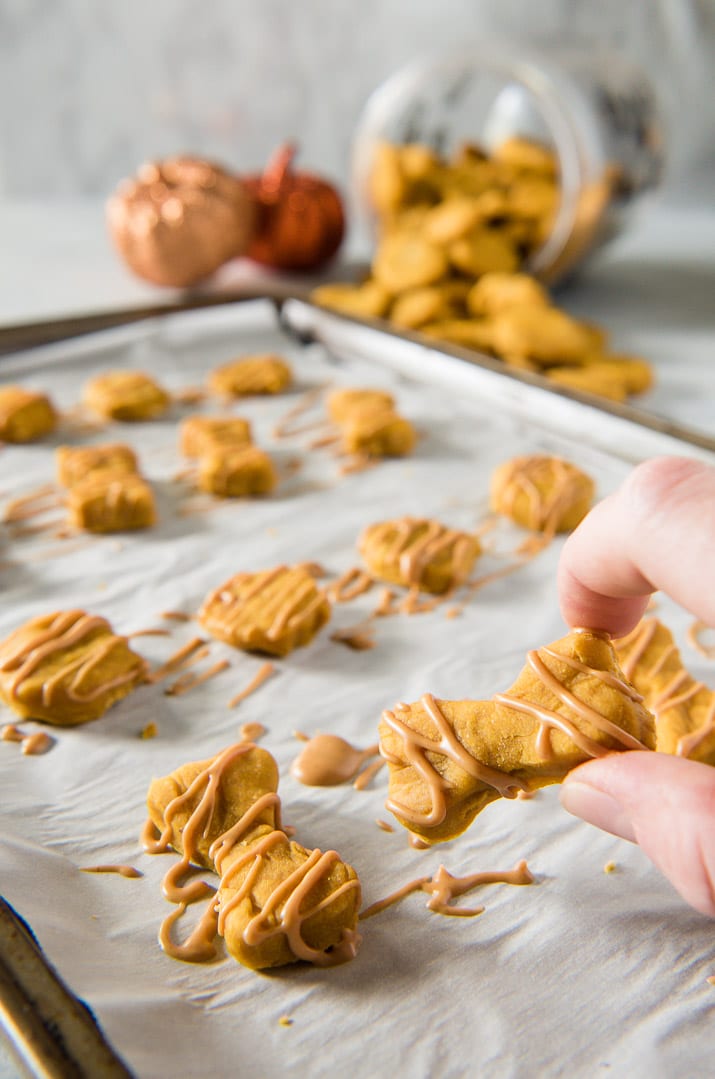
285 1021
101 587
453 612
150 731
272 532
711 979
610 867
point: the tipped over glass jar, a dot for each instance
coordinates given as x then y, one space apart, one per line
550 151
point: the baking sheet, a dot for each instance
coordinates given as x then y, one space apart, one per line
580 973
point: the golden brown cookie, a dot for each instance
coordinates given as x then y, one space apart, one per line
594 378
540 333
406 261
526 154
74 463
378 433
449 759
198 434
496 292
251 375
272 611
369 300
342 404
469 333
543 493
236 472
415 551
684 708
110 501
128 396
418 306
25 416
67 668
276 902
483 251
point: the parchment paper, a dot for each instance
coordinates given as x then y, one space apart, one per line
583 973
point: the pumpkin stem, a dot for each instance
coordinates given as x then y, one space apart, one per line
278 169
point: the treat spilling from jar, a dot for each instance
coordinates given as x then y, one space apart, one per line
453 238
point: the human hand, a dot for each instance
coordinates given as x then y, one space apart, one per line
657 532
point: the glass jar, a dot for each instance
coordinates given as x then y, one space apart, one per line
595 111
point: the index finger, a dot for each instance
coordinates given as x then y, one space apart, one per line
656 533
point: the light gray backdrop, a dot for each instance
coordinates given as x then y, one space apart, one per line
90 88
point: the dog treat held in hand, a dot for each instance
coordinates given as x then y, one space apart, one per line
542 493
684 708
449 759
236 472
251 375
277 902
272 611
67 668
128 396
199 434
414 551
25 416
74 463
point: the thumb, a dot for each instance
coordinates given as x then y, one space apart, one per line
665 804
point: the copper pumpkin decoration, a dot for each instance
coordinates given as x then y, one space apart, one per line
301 221
180 219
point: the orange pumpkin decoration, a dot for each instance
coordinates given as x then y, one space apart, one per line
180 219
301 221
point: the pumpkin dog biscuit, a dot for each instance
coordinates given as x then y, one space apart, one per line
449 759
110 501
75 463
236 472
544 334
378 433
543 493
67 668
342 404
369 300
273 611
277 902
25 416
198 434
251 375
418 552
128 396
684 708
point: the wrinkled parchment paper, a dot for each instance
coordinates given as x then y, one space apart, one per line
584 973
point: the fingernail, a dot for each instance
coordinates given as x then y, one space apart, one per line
596 807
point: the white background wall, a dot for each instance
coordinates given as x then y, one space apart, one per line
90 88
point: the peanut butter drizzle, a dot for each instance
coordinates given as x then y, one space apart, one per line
417 842
688 743
268 922
19 509
122 870
152 632
386 607
412 604
550 719
306 401
384 826
177 661
442 888
328 760
362 782
360 463
20 531
31 745
66 629
354 582
262 675
324 441
176 616
251 732
416 748
359 637
188 682
695 629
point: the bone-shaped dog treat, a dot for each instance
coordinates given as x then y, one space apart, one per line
276 902
449 759
684 708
